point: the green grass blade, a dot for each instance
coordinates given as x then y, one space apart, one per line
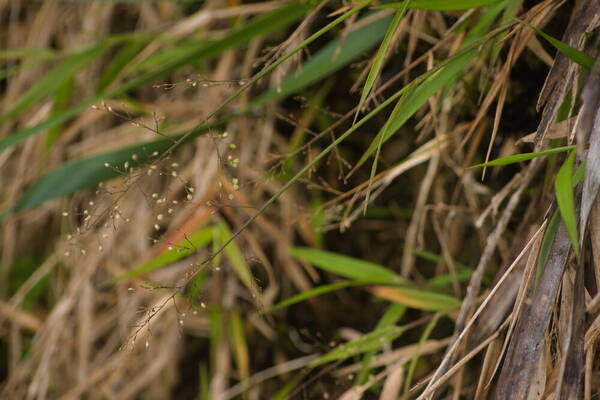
88 172
416 95
441 5
392 315
572 53
182 249
371 341
54 79
523 157
236 259
546 245
123 56
417 298
566 201
331 58
319 290
379 57
415 359
345 266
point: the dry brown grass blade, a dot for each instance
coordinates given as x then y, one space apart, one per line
526 345
588 131
569 383
562 74
477 276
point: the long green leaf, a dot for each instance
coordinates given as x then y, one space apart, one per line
379 57
346 266
236 259
442 5
417 298
373 73
523 157
319 290
565 199
86 173
416 95
546 246
392 315
572 53
334 56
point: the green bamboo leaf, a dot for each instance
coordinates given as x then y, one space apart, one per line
572 53
88 172
523 157
54 79
346 266
441 5
378 62
180 250
566 203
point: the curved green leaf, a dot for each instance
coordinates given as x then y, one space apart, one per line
442 5
566 201
182 249
523 157
346 266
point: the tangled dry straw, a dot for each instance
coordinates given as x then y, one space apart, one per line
85 311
